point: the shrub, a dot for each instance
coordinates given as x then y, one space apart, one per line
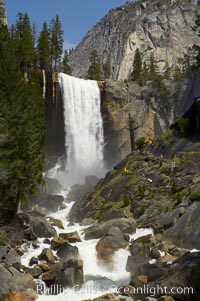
141 190
164 170
184 126
142 209
3 238
140 143
174 188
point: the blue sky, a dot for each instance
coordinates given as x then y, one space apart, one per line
77 16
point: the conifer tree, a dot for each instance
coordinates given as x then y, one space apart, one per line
66 68
24 41
43 48
23 128
106 70
94 71
152 67
57 41
137 66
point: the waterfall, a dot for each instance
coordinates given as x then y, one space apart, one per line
83 127
44 83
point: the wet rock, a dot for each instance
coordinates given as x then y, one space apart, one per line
12 279
184 272
186 232
71 237
144 239
77 192
47 255
8 255
154 254
165 298
71 274
36 226
53 202
67 251
63 206
166 259
127 226
20 296
33 260
52 186
111 242
45 267
57 242
35 271
91 181
140 255
55 222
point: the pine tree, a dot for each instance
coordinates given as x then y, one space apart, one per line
106 70
23 128
57 41
66 68
43 48
153 68
137 66
94 71
24 41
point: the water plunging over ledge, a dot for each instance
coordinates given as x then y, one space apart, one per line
83 127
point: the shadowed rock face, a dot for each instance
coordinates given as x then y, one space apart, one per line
160 27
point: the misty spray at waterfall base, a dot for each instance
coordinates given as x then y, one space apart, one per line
83 129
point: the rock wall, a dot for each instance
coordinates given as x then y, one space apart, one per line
55 135
162 27
151 114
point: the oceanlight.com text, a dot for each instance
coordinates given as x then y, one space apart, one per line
128 290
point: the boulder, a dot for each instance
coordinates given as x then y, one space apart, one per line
57 242
186 231
91 181
36 226
154 253
55 222
35 271
52 202
8 255
111 242
71 274
47 255
33 260
20 296
52 186
127 226
12 279
67 251
70 237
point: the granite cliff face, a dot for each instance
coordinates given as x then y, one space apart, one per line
163 28
133 111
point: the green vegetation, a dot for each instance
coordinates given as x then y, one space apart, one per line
178 197
195 195
3 238
134 179
106 70
66 68
142 209
137 66
44 50
165 170
141 190
94 71
184 126
140 143
174 188
22 127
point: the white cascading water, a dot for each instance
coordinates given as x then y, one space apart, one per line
83 127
